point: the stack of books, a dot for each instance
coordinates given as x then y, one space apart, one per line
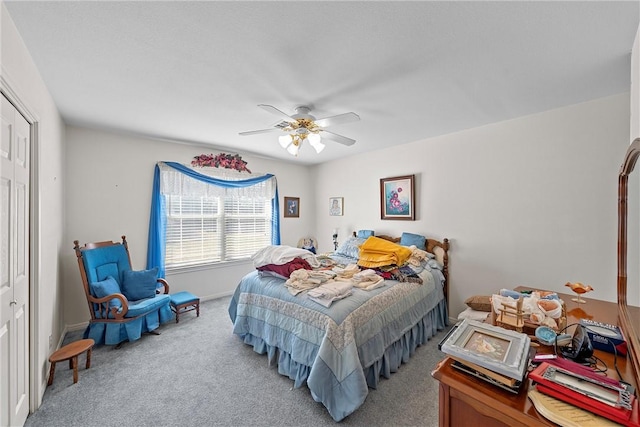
493 354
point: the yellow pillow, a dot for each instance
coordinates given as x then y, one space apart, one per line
479 302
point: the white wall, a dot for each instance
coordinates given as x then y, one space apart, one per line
530 201
635 88
110 177
21 78
633 207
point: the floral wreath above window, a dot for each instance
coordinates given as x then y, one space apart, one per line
222 160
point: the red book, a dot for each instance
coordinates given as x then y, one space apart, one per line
586 398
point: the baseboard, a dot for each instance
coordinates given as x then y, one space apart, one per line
216 296
76 327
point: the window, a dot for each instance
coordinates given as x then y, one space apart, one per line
206 223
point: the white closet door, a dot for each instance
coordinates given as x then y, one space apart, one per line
14 266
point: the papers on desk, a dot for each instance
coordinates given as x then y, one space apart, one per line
582 387
565 414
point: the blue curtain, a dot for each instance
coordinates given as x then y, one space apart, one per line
157 223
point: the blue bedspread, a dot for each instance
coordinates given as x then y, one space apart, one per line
342 350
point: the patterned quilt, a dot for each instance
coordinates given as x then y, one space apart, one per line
339 351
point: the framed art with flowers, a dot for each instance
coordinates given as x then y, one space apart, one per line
397 198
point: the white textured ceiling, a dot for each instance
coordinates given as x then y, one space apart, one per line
195 71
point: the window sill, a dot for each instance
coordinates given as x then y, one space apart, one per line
204 267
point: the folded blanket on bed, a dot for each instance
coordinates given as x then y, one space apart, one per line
282 254
367 279
302 280
346 272
377 252
331 291
285 270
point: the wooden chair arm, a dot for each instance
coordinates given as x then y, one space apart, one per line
165 284
117 312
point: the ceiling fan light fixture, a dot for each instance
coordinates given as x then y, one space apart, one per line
317 145
314 138
284 140
302 127
293 149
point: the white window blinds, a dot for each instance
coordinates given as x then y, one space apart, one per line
208 224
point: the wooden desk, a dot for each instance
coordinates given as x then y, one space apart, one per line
466 400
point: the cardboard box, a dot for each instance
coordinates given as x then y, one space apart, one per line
604 336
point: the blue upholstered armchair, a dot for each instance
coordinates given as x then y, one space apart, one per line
123 303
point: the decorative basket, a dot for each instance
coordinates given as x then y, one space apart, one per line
528 327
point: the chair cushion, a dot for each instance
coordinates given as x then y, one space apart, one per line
183 297
99 262
137 285
106 287
106 270
148 305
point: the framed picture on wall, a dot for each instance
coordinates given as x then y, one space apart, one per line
292 207
397 198
336 206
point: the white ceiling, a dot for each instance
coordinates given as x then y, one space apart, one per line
195 71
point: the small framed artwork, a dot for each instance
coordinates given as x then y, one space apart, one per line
292 207
397 198
500 350
336 205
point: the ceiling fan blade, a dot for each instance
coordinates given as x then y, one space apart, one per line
253 132
336 120
338 138
274 110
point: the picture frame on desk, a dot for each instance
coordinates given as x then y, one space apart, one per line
491 347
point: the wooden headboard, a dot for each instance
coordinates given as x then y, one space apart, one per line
436 247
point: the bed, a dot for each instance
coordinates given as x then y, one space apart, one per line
341 351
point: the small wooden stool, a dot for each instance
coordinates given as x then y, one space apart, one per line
184 301
70 352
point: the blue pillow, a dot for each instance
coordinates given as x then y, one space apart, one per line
137 285
364 233
106 287
409 239
351 247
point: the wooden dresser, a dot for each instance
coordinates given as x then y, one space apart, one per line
466 400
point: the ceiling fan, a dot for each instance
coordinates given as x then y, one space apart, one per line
302 126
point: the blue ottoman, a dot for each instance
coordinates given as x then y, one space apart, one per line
184 301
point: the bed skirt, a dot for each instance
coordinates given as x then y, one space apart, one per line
396 354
